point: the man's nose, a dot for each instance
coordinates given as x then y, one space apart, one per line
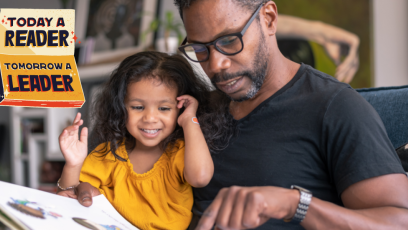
217 62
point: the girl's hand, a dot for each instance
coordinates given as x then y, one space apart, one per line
74 150
191 105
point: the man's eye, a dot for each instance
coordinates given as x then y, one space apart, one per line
164 109
199 48
227 41
137 107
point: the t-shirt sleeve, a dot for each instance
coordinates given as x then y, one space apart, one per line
96 169
356 143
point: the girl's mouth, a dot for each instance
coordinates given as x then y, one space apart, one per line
150 133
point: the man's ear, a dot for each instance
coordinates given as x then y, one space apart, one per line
270 15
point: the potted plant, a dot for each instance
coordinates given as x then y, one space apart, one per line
168 43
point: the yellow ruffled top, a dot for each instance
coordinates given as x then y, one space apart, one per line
158 199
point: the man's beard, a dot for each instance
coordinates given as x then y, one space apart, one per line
256 75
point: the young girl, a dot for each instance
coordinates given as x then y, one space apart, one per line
153 148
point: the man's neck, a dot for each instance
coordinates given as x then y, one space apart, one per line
279 73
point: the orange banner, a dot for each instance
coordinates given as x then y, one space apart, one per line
37 63
40 81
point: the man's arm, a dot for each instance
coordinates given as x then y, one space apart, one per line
375 203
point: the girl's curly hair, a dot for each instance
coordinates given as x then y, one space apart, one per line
110 114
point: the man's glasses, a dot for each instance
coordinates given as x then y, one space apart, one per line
230 44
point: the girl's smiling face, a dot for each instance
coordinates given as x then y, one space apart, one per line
152 111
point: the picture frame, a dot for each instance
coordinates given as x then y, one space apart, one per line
317 33
110 30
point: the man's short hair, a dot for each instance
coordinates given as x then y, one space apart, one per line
247 4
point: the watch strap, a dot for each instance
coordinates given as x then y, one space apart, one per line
303 206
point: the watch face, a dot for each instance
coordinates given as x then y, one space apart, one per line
300 189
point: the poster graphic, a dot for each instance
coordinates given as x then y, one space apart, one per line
332 36
37 61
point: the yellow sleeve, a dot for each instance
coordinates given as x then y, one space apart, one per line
97 168
177 164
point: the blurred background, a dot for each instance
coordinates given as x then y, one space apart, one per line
363 43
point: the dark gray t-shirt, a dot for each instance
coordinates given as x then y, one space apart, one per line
315 132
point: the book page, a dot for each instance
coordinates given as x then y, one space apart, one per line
34 209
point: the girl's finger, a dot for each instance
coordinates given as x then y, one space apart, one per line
183 97
84 135
180 104
186 103
72 128
69 132
77 118
63 135
79 123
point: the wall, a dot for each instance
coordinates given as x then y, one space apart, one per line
390 29
33 4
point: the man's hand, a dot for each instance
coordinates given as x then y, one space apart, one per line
70 193
249 207
83 193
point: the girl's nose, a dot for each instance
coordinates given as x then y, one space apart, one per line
150 115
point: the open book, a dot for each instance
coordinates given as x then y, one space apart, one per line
25 208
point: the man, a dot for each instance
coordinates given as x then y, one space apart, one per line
296 126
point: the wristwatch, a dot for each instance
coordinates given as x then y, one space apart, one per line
305 199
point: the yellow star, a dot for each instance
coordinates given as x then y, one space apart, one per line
6 93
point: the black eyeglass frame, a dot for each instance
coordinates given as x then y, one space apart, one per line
238 34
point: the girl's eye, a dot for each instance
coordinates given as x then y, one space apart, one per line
137 107
164 109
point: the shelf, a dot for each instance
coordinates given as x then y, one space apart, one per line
28 112
22 157
39 136
35 135
103 63
55 156
97 71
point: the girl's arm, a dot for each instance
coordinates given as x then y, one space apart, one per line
198 164
75 151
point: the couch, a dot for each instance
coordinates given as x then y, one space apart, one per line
391 104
